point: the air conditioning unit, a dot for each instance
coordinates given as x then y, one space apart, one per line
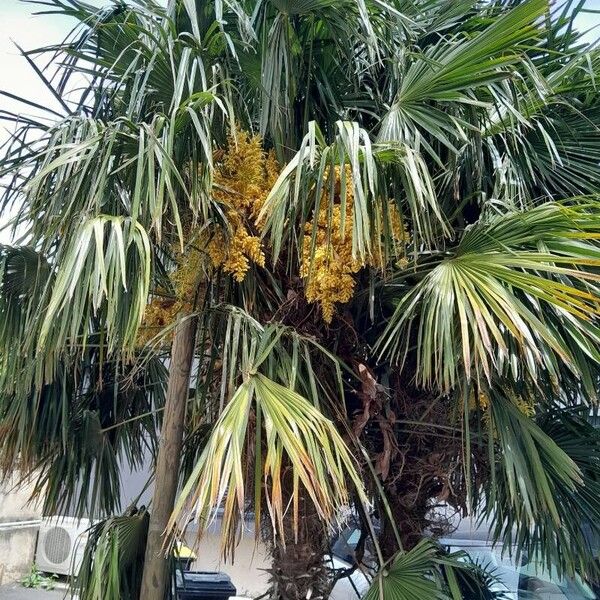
61 542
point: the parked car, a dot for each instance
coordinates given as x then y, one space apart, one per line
529 580
342 557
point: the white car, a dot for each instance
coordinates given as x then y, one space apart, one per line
528 581
356 585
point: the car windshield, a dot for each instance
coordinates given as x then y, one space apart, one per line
344 546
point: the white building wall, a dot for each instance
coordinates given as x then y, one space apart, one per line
18 529
248 571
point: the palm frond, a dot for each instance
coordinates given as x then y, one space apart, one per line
467 578
556 122
106 256
494 294
425 571
296 436
74 435
410 576
24 277
278 82
447 76
362 167
546 478
113 558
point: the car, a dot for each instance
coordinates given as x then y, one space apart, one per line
528 580
355 585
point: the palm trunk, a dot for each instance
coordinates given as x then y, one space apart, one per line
420 467
155 576
298 569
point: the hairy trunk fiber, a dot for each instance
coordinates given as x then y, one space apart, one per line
409 509
412 444
298 570
155 576
421 469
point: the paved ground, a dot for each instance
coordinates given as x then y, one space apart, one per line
18 592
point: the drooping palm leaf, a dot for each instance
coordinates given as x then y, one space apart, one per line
113 558
100 269
557 127
77 433
24 277
297 193
546 479
296 434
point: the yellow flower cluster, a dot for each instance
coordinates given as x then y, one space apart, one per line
525 405
159 313
162 311
244 175
243 178
328 267
482 401
234 253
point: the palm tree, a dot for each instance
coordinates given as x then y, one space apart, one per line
365 230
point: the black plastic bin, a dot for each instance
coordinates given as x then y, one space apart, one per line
204 585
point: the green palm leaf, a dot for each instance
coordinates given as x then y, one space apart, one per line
297 193
475 308
546 479
409 576
113 559
448 75
99 270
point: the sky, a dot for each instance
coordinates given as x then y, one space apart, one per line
17 24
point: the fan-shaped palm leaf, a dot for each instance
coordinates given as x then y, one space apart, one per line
296 434
105 263
297 193
508 274
448 77
546 479
113 559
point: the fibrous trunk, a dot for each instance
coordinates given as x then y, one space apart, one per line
298 569
413 443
